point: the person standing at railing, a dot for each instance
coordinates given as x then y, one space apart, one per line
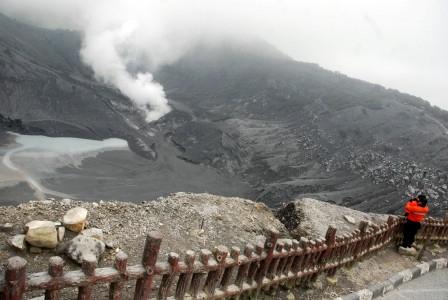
415 212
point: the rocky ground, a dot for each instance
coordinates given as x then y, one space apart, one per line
197 221
310 217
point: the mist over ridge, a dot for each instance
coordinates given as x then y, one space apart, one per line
371 40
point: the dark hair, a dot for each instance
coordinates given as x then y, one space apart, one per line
423 200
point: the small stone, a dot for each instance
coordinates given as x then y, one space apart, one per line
66 201
61 248
41 234
17 241
350 219
75 219
407 251
318 285
61 233
93 233
290 296
35 250
111 244
46 202
7 227
332 280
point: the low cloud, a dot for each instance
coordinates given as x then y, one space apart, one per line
399 44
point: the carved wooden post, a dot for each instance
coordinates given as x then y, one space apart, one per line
243 270
269 247
15 277
297 263
55 270
214 277
230 271
272 270
149 259
184 282
292 256
121 261
285 259
362 231
254 267
167 279
198 278
330 240
88 267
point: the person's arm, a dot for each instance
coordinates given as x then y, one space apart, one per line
409 204
413 207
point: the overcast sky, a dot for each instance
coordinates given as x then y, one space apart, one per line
396 43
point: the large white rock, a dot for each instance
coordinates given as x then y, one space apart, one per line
83 247
75 219
41 234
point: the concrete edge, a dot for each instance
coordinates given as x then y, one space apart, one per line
381 288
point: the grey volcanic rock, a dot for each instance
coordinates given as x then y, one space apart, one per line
311 218
83 247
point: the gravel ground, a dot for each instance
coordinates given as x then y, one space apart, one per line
312 217
179 217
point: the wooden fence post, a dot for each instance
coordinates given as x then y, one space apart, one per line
292 256
149 259
121 261
168 279
55 270
15 277
269 247
243 270
214 277
230 271
183 285
255 265
88 267
198 278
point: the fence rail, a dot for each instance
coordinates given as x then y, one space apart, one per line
221 274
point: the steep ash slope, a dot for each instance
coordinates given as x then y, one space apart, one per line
300 130
242 109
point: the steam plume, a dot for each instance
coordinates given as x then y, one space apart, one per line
369 39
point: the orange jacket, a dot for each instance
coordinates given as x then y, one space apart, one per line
415 212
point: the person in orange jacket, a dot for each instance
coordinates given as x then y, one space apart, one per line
415 212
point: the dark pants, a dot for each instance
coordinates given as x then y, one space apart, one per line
409 231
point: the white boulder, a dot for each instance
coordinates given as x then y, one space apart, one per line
75 219
41 234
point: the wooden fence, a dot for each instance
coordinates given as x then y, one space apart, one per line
221 274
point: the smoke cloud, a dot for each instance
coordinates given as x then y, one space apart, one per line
400 44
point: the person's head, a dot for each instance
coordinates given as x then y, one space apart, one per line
422 200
